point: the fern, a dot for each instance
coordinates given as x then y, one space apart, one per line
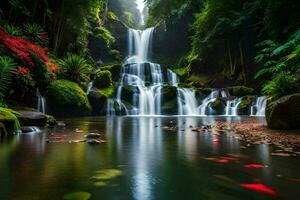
7 68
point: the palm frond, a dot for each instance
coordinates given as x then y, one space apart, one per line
7 67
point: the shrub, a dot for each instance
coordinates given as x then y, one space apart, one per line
67 96
103 79
282 84
240 91
35 33
74 68
7 67
23 49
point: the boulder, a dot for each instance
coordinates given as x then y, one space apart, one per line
218 106
67 99
169 104
240 91
244 107
98 102
284 113
31 118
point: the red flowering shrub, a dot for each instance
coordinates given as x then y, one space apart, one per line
22 48
23 77
53 67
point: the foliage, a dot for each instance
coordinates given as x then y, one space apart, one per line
103 79
24 78
7 68
74 68
66 93
102 32
107 92
282 84
35 33
13 30
240 91
22 48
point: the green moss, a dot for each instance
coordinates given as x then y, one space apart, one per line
218 106
10 119
68 95
103 79
181 72
107 92
245 105
240 91
114 69
199 80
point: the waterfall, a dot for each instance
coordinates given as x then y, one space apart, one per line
232 107
41 103
210 98
259 108
89 87
187 102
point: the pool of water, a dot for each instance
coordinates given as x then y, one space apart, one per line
142 159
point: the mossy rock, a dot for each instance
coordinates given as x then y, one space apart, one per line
284 113
32 118
103 79
169 104
202 93
169 107
115 70
128 93
9 119
240 91
218 106
98 102
244 107
66 98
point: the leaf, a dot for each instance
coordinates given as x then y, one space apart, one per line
7 67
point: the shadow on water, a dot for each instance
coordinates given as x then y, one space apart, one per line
142 158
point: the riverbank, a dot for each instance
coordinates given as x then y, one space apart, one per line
253 131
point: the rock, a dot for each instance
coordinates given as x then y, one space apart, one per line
240 91
93 136
52 123
30 129
244 107
218 106
94 141
284 113
67 99
31 118
98 102
103 79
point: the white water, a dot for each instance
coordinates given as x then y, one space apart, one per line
41 103
187 103
259 109
89 87
204 108
146 81
146 77
232 107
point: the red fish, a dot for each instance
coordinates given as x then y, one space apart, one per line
216 140
259 187
224 161
255 166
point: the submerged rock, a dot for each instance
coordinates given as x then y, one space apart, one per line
93 136
284 113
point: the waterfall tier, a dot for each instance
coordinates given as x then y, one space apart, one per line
147 88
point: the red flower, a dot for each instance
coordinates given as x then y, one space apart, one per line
53 67
23 48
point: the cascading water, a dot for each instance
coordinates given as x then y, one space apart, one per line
232 107
41 103
259 109
144 77
204 108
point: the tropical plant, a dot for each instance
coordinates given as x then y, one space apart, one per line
74 68
7 68
35 33
102 32
13 30
282 84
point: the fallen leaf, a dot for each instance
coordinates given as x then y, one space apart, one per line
260 188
